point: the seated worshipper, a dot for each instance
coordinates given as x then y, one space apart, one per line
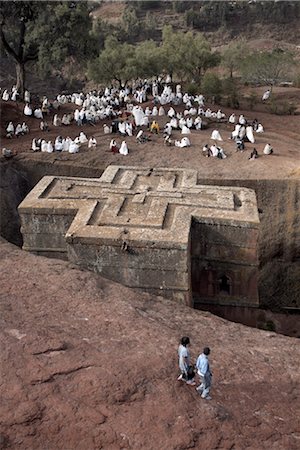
128 127
58 144
113 146
174 123
66 120
44 126
123 149
253 154
260 128
82 137
73 147
185 142
206 151
139 137
18 131
168 141
38 113
189 122
36 145
154 128
10 130
232 118
45 106
26 96
92 142
56 121
122 128
185 130
107 129
49 147
44 146
15 94
198 123
268 150
25 128
27 110
161 111
215 135
240 146
5 95
154 111
168 129
221 154
171 112
214 150
66 144
242 120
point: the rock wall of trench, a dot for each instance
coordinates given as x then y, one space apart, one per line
278 203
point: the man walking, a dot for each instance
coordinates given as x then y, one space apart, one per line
204 373
184 362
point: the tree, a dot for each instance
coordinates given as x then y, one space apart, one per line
44 32
186 54
234 54
147 60
267 68
115 63
211 86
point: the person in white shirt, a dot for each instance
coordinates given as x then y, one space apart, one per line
202 366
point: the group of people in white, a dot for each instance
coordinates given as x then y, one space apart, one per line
112 103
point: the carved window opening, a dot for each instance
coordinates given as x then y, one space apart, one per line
224 285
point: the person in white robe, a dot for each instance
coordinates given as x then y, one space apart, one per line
113 146
154 111
49 147
18 130
77 117
44 146
215 135
268 150
249 134
44 126
124 149
56 120
198 123
66 144
266 95
182 122
27 96
25 128
174 123
242 120
231 118
128 127
10 130
260 128
219 114
27 110
92 142
192 111
34 146
14 94
168 129
208 113
171 112
65 120
58 144
145 121
148 111
185 142
38 113
73 147
189 122
5 95
122 128
82 137
185 130
161 111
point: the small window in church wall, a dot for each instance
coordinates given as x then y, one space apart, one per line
225 285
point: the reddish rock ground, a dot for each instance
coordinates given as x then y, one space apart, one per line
89 364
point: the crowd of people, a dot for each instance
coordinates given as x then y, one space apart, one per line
123 112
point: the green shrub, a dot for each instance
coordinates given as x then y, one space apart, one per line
192 89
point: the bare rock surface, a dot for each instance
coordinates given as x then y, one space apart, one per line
89 364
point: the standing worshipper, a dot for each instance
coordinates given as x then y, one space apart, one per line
184 361
202 365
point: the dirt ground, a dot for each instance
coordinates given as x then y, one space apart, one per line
282 132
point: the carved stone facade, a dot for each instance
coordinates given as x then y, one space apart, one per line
151 229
